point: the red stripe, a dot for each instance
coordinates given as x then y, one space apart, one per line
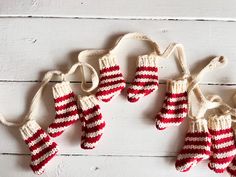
146 76
221 160
147 68
109 69
176 95
62 124
92 139
95 128
216 170
198 135
38 167
43 152
102 78
107 92
220 132
176 111
106 100
172 120
95 118
66 106
40 143
223 140
65 97
146 92
107 84
145 84
132 100
176 103
224 149
55 134
230 171
91 110
35 135
67 114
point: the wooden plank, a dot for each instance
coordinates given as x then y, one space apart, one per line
186 9
90 166
54 44
130 127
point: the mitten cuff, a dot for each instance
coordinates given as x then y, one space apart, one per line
219 122
199 125
88 102
107 61
61 89
147 60
177 86
29 129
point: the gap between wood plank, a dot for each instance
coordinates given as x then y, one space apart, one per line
125 18
75 155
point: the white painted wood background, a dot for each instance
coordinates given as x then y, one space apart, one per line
37 36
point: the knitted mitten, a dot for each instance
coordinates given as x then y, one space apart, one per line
146 78
66 109
111 79
223 146
92 122
175 106
196 147
42 149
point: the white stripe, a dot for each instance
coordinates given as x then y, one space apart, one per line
193 156
63 111
90 145
146 87
198 139
55 130
182 106
89 116
207 148
109 73
165 125
43 157
224 154
183 98
96 123
219 166
106 88
39 149
112 80
145 80
67 119
94 134
44 135
146 73
108 96
223 145
67 101
172 116
222 136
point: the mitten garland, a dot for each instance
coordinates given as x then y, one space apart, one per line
66 109
175 106
42 148
197 146
223 144
146 78
111 79
92 121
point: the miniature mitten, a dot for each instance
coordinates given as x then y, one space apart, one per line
175 106
196 147
111 79
146 78
92 121
42 149
66 109
223 145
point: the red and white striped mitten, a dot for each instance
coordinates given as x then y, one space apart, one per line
111 79
197 146
223 145
42 148
92 121
146 78
66 109
175 106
